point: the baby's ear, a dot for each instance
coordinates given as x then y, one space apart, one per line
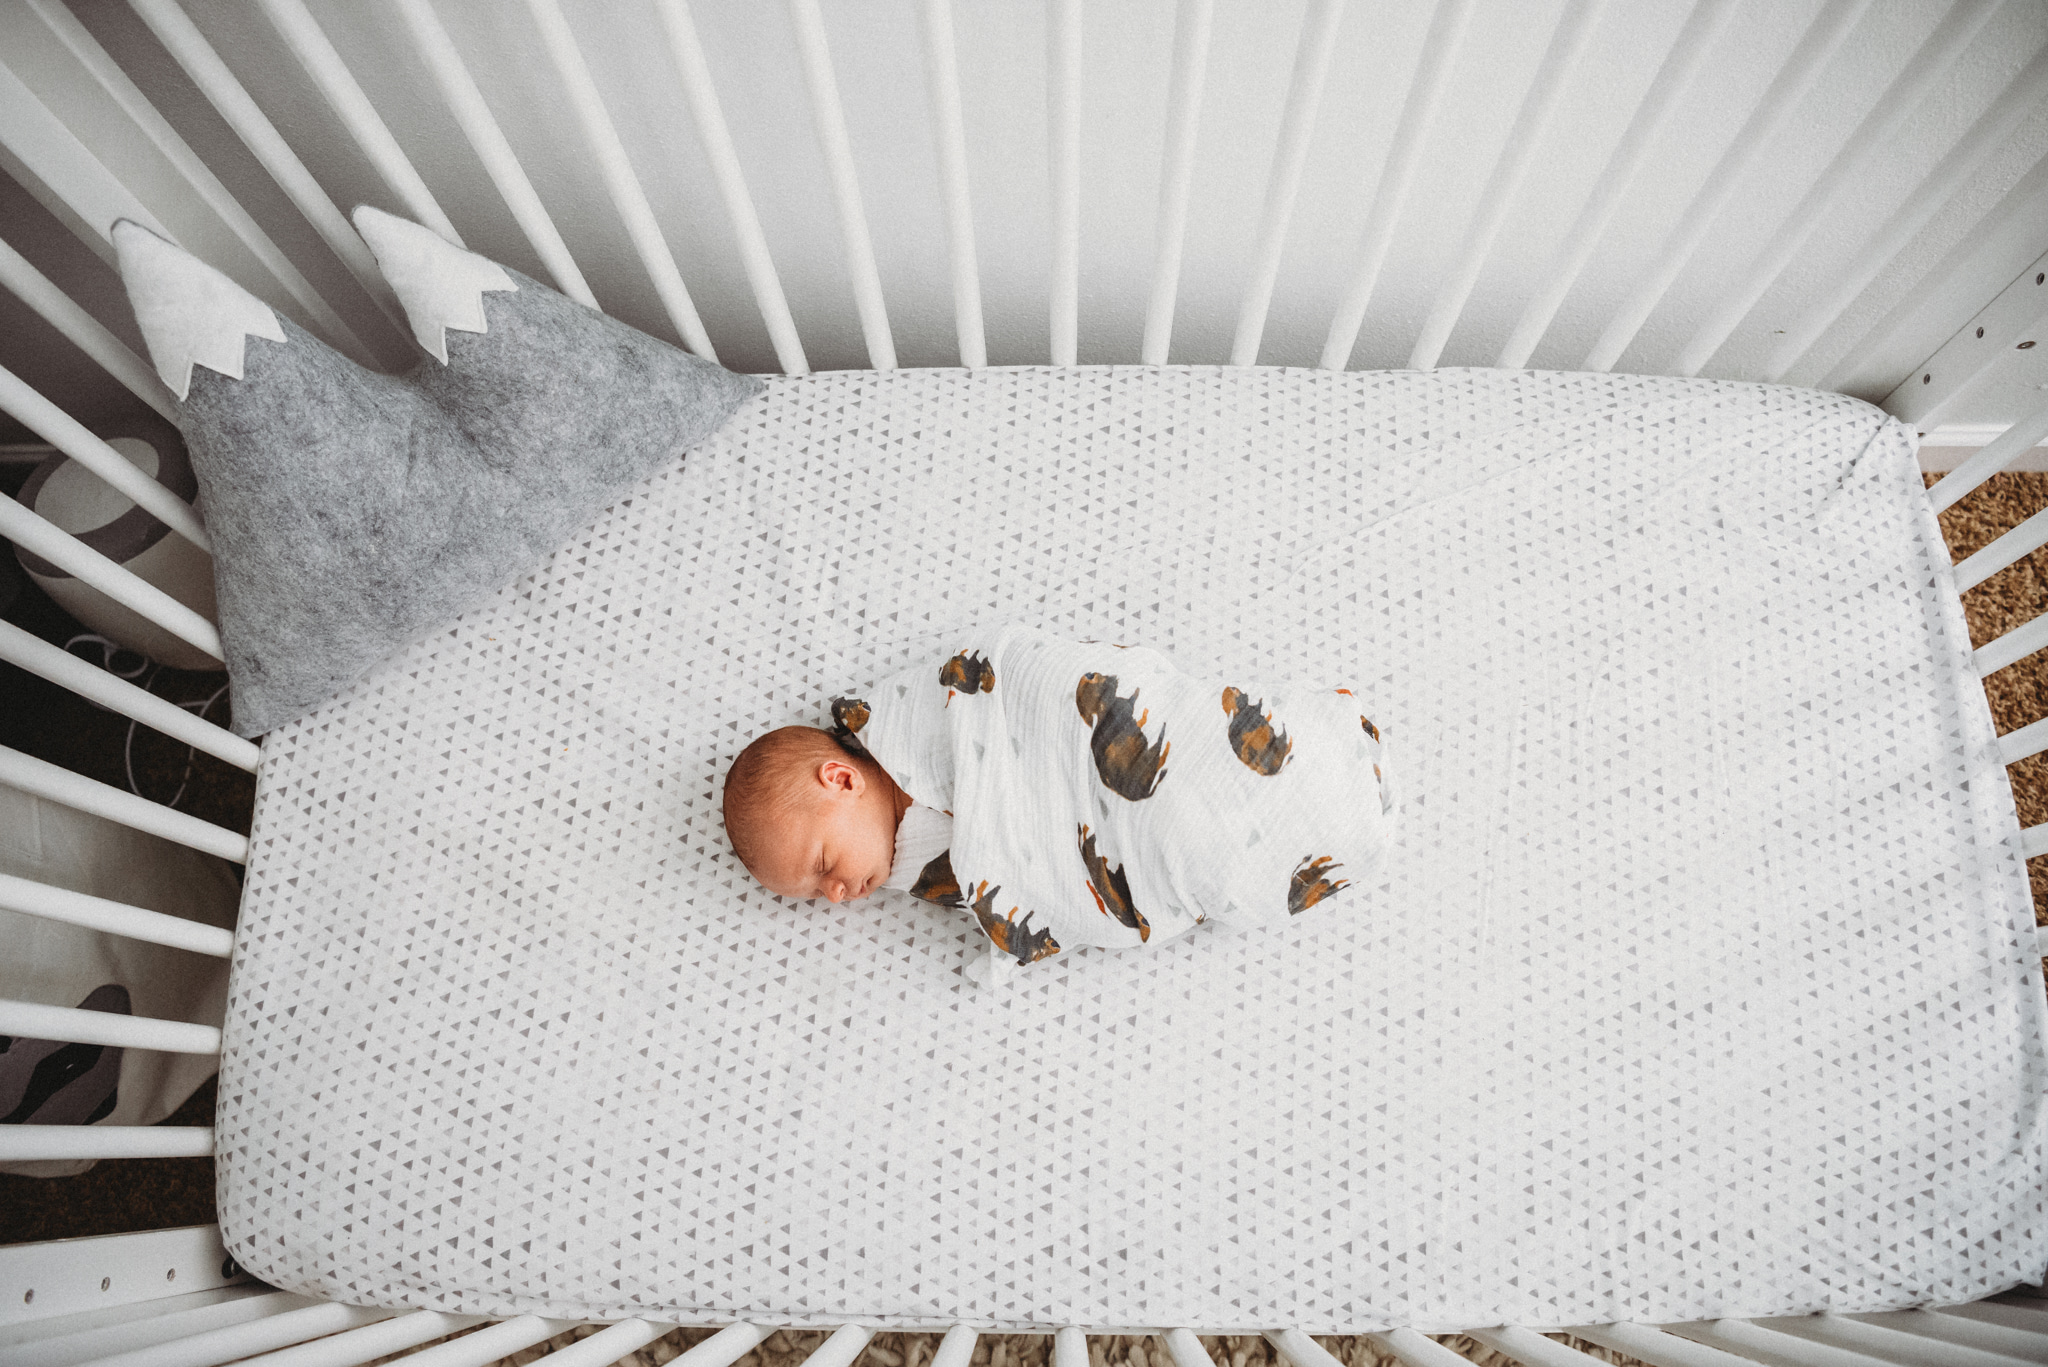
840 774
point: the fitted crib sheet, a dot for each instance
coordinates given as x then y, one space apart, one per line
1700 981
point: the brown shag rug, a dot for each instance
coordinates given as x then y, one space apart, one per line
788 1348
118 1196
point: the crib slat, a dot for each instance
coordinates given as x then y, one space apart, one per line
1681 66
1902 98
829 116
181 37
1970 1333
732 185
68 553
1568 44
942 78
85 1335
2011 444
1938 189
35 1143
489 1344
725 1347
1740 1335
1884 1343
2034 841
2008 547
2020 642
33 1020
1304 96
1070 1347
1829 29
1654 1346
359 1345
606 1346
2028 1319
847 1342
2019 314
956 1349
85 332
2017 212
219 1346
1416 1350
1191 29
47 781
466 103
59 666
1531 1348
70 436
87 195
295 24
1446 31
2012 647
1187 1350
199 182
2015 746
1063 111
31 898
620 181
1298 1348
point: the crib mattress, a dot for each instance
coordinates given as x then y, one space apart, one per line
1700 981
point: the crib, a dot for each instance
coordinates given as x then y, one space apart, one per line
1897 261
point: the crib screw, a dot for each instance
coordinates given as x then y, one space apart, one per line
170 1274
28 1297
2024 345
106 1282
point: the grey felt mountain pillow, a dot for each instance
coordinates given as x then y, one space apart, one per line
353 512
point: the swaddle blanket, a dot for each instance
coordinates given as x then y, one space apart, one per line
1101 796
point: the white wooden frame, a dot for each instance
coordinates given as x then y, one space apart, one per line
172 1297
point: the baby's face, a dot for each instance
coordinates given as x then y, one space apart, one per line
839 841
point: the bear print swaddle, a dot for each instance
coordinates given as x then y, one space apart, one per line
1100 796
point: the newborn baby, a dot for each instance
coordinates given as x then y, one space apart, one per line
810 817
1102 796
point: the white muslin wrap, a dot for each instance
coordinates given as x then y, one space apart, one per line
1101 796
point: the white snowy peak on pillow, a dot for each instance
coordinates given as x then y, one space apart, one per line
440 285
189 312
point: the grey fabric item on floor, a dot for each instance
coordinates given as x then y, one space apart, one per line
353 513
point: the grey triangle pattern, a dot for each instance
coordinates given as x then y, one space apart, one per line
1699 982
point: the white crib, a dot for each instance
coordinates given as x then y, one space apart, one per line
1895 255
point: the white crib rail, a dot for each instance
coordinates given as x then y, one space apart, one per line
828 115
309 44
490 1343
176 31
51 782
1953 39
942 78
38 656
230 1323
68 553
620 180
466 102
279 1329
1304 93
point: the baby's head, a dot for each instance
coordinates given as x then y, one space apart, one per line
809 818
